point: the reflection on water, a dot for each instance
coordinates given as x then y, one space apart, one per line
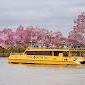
27 74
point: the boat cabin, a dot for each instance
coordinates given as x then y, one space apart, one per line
56 52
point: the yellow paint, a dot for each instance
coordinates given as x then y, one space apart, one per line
45 59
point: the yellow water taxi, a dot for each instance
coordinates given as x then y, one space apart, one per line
48 56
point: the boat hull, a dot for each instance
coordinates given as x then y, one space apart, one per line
48 60
43 62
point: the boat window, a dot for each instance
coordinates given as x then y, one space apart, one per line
75 53
38 52
65 53
83 54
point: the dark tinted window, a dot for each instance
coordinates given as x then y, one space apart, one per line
38 52
56 53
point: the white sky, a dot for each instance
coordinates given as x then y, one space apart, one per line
55 15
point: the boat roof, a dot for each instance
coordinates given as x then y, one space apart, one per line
53 49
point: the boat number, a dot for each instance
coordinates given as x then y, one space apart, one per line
41 57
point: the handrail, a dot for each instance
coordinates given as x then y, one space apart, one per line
16 53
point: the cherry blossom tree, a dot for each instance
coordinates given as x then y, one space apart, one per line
77 35
23 37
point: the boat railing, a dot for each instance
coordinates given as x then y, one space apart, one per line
58 48
77 49
16 53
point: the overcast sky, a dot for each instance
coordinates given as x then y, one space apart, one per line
56 15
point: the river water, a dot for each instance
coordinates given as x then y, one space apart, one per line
26 74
